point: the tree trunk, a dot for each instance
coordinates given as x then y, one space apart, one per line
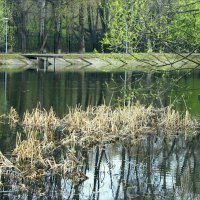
91 28
81 29
57 36
23 41
42 17
23 32
103 15
57 26
67 36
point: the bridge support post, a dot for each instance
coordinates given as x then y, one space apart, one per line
46 63
54 64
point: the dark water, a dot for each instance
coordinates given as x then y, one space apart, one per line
156 168
23 90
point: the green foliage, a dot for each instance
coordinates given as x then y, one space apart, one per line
185 27
2 22
150 25
152 88
136 25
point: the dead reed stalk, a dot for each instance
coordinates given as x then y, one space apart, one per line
172 122
13 117
42 121
36 155
103 124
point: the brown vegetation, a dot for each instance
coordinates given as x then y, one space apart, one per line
38 153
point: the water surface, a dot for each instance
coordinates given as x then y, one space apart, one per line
156 168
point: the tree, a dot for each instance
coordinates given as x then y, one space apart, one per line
42 19
78 26
151 25
81 29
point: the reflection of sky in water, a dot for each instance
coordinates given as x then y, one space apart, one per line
108 179
159 175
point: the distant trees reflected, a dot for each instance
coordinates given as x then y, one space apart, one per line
155 168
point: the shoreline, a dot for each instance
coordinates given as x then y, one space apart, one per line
106 62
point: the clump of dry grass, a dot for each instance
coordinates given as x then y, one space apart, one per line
172 122
41 121
13 117
35 154
133 119
37 120
34 149
103 124
90 125
34 157
27 150
27 153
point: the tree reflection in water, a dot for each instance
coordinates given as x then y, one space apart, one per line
155 168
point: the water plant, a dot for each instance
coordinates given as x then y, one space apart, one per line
13 117
103 124
49 146
40 120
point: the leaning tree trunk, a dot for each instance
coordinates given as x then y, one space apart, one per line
81 29
42 17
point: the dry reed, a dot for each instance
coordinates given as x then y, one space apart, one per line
35 154
172 122
27 150
34 157
40 120
13 117
103 124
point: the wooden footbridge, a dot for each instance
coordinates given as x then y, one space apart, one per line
42 59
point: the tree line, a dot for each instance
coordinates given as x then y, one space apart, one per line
102 25
53 25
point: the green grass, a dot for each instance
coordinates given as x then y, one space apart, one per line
137 61
10 56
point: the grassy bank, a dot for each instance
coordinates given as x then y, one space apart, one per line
146 56
112 61
10 56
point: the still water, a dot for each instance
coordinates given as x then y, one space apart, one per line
156 168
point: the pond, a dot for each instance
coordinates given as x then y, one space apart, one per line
154 168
